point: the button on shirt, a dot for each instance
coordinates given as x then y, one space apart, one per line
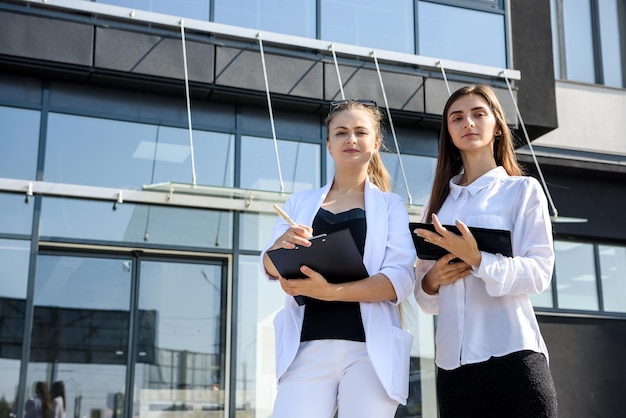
488 312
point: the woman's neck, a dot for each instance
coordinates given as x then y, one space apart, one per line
349 181
475 168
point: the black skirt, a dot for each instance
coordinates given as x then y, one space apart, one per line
518 385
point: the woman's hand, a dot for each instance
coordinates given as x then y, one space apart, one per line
314 285
444 271
463 246
294 236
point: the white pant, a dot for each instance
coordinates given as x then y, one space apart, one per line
327 375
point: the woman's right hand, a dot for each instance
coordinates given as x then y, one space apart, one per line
444 272
295 235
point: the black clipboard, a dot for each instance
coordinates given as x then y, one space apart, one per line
333 255
495 241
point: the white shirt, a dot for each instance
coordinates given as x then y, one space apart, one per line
488 313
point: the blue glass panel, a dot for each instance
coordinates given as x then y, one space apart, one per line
15 215
195 9
19 141
575 276
383 25
611 43
110 153
300 165
613 272
420 173
460 34
293 17
161 225
579 56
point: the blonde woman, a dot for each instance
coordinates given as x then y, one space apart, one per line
344 349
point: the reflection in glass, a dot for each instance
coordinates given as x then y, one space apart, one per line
14 258
300 165
16 215
575 276
80 331
180 368
613 272
195 9
443 34
420 173
259 300
127 155
256 230
93 220
579 54
612 44
19 142
293 17
387 25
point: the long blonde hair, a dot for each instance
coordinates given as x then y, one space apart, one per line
376 170
449 162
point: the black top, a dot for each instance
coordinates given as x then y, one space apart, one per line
336 320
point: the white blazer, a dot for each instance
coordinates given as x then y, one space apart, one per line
388 250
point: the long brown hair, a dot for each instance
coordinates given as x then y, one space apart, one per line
449 162
376 170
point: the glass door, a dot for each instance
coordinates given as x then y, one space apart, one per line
129 335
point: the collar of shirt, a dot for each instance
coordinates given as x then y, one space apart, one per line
478 184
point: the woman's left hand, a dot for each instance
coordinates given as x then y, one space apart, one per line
314 285
464 246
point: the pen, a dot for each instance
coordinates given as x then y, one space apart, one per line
284 215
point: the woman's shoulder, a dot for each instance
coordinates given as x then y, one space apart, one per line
521 181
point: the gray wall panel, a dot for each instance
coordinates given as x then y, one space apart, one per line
532 54
45 39
152 55
404 91
285 75
437 95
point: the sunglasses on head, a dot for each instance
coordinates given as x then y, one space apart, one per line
365 102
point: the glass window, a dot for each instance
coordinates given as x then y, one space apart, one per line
300 165
81 330
442 33
612 275
16 215
14 261
612 44
259 300
195 9
579 54
19 142
111 153
256 230
90 220
293 17
575 276
420 173
387 25
180 361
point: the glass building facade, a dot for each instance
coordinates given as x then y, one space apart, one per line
129 243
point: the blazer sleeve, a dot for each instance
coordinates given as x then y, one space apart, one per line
400 255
